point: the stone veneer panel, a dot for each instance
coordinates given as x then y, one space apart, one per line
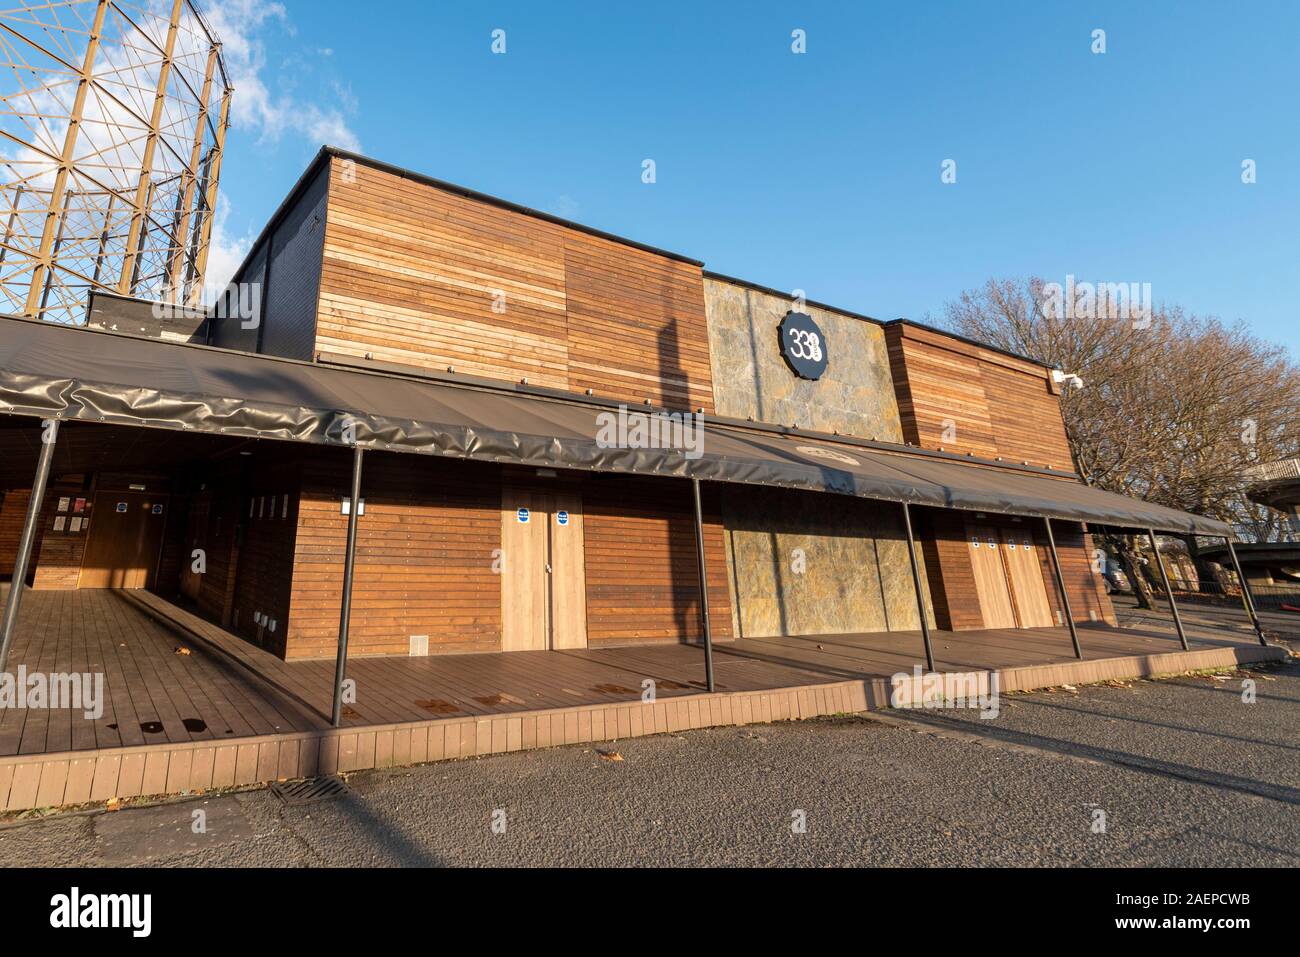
855 396
856 576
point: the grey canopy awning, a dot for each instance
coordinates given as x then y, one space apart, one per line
49 370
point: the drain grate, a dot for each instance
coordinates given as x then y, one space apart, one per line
309 790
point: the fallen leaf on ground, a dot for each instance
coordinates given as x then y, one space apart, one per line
610 755
182 650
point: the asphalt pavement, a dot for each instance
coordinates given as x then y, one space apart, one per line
1177 772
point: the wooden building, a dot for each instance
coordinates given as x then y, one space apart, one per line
368 268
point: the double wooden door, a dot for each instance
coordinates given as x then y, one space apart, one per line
1008 578
543 570
126 532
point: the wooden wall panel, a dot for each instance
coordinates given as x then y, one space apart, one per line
211 526
1026 418
424 557
637 327
948 565
422 276
175 556
997 405
943 387
642 573
13 509
952 582
411 272
1087 589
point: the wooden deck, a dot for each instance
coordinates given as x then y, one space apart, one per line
226 688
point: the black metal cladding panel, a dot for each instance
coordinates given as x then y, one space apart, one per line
292 293
228 325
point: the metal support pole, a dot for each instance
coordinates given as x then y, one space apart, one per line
1169 590
345 610
49 436
704 587
1060 584
1246 597
916 582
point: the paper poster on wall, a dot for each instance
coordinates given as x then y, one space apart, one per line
64 503
76 525
59 523
79 505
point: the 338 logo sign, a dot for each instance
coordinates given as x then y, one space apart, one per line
803 345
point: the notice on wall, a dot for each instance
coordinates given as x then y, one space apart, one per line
562 517
64 503
522 515
59 523
79 505
75 526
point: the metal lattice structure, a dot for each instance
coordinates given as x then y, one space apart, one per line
112 121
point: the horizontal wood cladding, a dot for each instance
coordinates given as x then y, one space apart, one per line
949 570
418 275
642 570
952 579
424 557
637 326
962 398
13 512
1083 582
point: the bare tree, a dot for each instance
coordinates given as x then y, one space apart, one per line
1173 407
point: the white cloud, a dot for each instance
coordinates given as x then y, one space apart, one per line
241 25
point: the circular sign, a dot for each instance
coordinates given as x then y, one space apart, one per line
522 515
802 345
834 455
562 517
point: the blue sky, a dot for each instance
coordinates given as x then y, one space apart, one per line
820 171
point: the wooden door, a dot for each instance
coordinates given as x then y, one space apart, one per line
543 576
525 598
196 537
985 546
568 572
126 531
1025 572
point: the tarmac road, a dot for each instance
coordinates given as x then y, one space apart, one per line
1184 771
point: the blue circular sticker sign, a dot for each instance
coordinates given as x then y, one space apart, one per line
523 516
562 517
